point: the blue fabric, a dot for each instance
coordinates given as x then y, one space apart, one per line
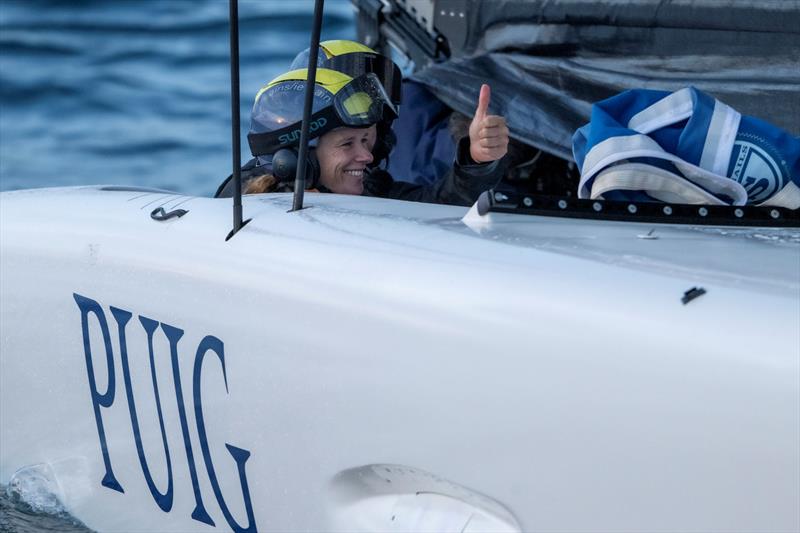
425 150
692 135
763 158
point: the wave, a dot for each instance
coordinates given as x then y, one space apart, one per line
20 516
138 22
16 46
14 93
132 148
137 92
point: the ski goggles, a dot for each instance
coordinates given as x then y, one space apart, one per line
355 59
342 102
362 62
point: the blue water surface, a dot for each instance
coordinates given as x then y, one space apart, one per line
137 92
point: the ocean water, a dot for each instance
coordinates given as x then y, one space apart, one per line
21 515
133 92
137 92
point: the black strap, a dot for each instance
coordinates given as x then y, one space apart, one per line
268 143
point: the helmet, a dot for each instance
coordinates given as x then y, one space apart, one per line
354 59
339 101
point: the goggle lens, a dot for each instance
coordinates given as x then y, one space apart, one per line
363 101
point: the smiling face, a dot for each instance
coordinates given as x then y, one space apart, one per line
343 156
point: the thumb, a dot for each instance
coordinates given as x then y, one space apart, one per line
483 101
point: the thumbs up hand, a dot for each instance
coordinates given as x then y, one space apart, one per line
488 134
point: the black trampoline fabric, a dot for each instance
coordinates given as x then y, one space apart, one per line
548 60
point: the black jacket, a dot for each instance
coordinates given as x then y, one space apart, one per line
461 186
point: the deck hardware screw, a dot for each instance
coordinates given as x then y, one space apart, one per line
527 201
774 213
738 212
632 209
597 206
667 210
702 211
562 204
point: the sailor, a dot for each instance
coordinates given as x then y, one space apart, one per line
354 59
422 142
348 115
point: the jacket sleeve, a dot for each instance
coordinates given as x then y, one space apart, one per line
460 186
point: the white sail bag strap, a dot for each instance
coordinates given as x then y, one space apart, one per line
678 106
616 149
669 110
659 183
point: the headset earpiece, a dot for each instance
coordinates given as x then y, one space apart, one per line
284 167
284 164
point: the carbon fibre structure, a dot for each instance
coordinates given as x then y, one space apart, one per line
504 201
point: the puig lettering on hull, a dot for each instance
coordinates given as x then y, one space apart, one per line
106 399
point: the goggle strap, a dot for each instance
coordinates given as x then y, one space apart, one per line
268 143
380 65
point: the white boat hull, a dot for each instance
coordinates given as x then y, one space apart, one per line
377 365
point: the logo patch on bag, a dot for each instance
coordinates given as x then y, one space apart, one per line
755 168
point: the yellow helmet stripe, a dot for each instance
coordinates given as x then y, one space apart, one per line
331 80
340 47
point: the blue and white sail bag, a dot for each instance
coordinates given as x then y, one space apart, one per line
684 147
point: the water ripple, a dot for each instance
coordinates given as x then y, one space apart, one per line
18 516
126 92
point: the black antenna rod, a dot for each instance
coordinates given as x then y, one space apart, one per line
302 156
235 118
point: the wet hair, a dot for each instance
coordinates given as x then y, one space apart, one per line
261 184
